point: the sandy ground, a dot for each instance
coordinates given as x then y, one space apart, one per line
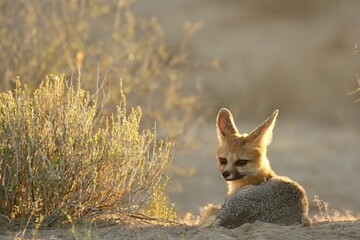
257 230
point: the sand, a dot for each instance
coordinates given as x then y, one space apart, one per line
257 230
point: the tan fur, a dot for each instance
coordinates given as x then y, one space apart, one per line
251 147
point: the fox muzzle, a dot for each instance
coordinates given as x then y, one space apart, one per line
231 176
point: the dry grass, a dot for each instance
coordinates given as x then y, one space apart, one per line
62 161
326 214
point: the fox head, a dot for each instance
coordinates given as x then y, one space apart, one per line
242 157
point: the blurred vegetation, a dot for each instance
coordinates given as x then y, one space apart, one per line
356 91
61 160
41 37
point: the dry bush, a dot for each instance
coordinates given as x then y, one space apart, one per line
61 160
326 214
39 37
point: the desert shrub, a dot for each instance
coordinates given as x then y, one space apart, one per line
158 206
60 159
38 37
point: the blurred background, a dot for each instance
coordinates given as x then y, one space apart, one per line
296 56
181 61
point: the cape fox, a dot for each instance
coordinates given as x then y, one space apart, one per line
255 192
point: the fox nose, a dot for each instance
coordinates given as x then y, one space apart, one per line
226 174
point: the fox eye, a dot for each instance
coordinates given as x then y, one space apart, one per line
223 161
241 162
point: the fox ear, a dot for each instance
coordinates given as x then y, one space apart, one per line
225 124
263 133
